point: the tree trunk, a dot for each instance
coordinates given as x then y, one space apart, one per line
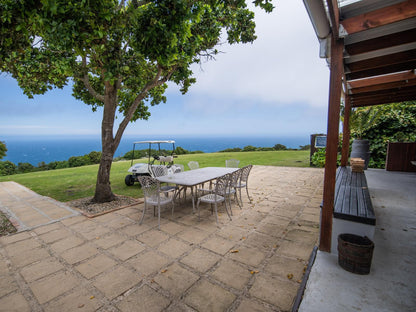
103 192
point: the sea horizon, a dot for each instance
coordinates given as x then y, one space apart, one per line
48 148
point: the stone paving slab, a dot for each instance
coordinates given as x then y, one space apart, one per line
111 263
28 210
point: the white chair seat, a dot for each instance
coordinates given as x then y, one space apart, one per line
217 196
155 202
211 198
168 188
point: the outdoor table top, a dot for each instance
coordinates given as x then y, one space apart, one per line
196 176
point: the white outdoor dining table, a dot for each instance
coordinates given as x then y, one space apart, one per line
192 178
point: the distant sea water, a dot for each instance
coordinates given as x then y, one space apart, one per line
46 149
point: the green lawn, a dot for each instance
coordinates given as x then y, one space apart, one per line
73 183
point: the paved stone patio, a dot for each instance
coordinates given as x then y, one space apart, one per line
68 262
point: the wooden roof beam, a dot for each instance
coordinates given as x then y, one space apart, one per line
388 69
383 87
380 17
381 61
407 75
385 97
382 42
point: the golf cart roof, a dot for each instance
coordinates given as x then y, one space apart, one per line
155 142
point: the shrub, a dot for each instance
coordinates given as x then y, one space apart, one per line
94 157
279 147
249 148
78 161
231 150
181 151
7 168
305 147
318 158
3 149
25 167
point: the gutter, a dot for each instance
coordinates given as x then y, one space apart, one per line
320 23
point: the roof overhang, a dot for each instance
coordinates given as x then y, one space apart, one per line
379 39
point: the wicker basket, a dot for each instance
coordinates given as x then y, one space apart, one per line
357 164
355 253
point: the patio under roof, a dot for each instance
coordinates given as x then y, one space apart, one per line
370 46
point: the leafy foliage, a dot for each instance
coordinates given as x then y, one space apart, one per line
279 147
318 158
7 168
305 147
119 54
362 118
394 123
3 149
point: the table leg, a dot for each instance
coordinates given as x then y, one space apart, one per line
193 199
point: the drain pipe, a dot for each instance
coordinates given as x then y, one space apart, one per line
320 23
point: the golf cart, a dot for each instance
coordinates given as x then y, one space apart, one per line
157 159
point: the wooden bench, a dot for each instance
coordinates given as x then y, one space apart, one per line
353 210
352 198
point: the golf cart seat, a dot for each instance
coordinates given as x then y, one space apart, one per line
166 159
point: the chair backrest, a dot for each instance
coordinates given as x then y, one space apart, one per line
235 177
150 186
222 184
159 171
193 165
232 163
245 171
178 168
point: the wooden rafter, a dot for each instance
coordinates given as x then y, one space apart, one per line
382 42
383 87
388 69
408 75
383 97
377 18
382 61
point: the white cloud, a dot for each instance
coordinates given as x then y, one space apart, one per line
281 67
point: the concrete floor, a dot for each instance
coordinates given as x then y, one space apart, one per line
390 286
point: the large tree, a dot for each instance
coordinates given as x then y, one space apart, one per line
119 55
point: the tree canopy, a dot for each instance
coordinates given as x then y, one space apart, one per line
119 55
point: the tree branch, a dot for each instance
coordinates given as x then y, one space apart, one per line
85 79
150 85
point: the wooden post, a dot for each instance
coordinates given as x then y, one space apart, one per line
335 87
346 132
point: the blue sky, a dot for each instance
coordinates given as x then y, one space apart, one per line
277 86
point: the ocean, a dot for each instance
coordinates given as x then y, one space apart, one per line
46 149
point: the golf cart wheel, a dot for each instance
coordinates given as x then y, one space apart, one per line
129 180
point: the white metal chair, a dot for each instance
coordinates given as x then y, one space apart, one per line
193 165
217 196
232 190
178 168
232 163
152 196
159 171
243 181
